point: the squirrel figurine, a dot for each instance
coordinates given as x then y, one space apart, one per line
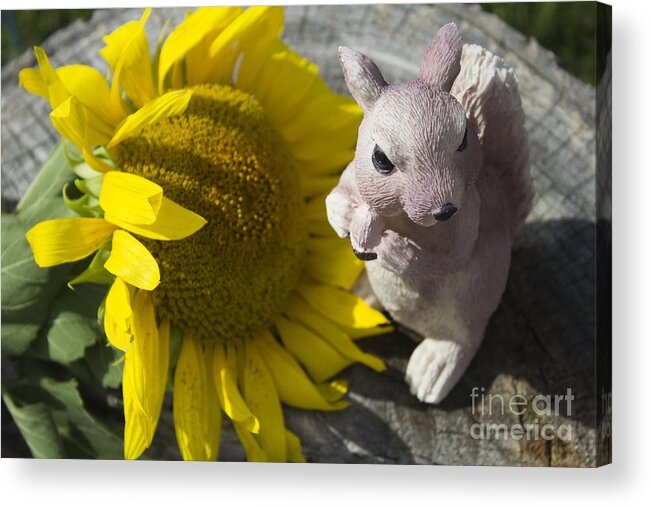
438 188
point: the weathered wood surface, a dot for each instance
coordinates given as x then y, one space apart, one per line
540 340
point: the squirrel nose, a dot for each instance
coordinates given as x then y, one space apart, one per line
445 212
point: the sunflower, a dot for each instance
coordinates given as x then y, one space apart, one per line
205 169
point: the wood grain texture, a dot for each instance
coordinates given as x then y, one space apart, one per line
540 340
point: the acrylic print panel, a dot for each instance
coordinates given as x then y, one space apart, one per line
193 268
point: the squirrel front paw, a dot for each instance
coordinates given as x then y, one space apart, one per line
340 210
395 253
355 220
434 368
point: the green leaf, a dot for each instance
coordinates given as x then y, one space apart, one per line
42 318
105 363
17 337
83 170
43 200
37 427
72 153
98 441
91 186
72 325
95 272
52 177
82 205
47 209
67 428
27 290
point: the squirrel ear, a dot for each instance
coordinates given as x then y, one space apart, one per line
442 61
362 76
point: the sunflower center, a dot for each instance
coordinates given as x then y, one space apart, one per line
223 160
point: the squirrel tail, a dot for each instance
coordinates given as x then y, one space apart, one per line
488 90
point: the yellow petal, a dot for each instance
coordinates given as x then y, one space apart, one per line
118 317
67 239
332 334
179 73
341 306
326 157
315 209
335 390
257 26
68 118
118 41
282 84
294 386
315 185
171 104
320 126
358 333
315 213
319 228
136 425
287 85
256 68
71 120
224 371
91 89
131 261
32 81
173 222
197 418
127 52
315 147
95 162
332 261
294 453
85 85
146 362
260 395
324 111
130 198
160 352
55 89
318 357
254 452
190 34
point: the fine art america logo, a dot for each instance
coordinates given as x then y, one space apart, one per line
543 407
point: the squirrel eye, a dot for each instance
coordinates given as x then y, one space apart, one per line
380 161
464 143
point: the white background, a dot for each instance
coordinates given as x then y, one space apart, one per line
628 480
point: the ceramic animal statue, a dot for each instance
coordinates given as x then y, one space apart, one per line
438 187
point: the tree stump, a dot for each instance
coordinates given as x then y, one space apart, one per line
541 340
